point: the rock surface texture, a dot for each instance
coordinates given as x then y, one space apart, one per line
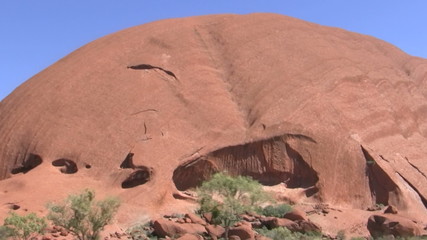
153 110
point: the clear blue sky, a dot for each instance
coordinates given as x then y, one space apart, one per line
37 33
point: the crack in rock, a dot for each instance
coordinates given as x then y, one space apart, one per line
416 168
149 67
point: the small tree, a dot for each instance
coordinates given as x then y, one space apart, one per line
228 197
22 227
82 215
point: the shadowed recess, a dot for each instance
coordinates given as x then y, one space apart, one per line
270 162
32 161
67 166
148 67
128 162
193 173
380 184
138 177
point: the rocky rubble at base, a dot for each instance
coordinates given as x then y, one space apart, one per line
191 226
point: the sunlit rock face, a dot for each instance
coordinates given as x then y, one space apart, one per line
153 110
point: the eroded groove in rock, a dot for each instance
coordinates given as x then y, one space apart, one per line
139 177
32 161
148 67
146 110
380 184
270 161
67 166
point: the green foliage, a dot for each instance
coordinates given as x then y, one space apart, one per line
341 235
281 233
141 232
5 232
227 197
82 215
22 227
276 210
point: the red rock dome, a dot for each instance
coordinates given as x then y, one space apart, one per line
153 110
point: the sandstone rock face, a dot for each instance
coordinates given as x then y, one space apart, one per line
156 109
382 225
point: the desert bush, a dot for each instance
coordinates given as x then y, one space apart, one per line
5 232
22 227
227 197
82 215
281 233
275 210
341 235
141 232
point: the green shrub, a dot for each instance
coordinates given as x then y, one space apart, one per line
141 232
276 210
227 197
341 235
5 232
82 215
22 227
281 233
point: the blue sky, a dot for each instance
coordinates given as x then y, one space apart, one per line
35 34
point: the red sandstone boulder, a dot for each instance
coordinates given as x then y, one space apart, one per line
215 231
234 237
381 225
295 226
305 226
64 232
391 210
243 231
163 228
273 222
195 219
188 236
295 215
208 217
